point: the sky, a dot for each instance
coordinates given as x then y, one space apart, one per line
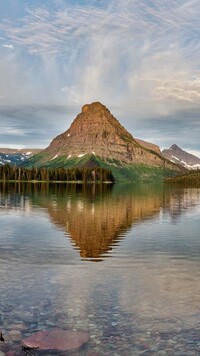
140 58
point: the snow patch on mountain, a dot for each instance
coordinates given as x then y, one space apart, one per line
54 157
177 155
15 156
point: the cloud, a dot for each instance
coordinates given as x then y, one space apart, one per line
9 46
27 124
140 58
193 152
148 43
12 131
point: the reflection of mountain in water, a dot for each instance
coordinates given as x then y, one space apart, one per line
95 217
96 223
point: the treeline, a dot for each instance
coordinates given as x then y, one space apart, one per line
96 174
192 177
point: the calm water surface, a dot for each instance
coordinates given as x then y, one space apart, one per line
120 262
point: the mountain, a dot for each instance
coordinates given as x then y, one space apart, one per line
16 156
96 138
177 155
149 145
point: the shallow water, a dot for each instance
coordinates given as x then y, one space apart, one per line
120 262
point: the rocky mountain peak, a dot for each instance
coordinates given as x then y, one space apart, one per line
95 106
96 132
174 147
96 113
178 155
95 125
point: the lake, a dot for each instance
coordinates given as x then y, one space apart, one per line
121 262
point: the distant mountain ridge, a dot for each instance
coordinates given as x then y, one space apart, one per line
16 156
96 137
27 151
178 155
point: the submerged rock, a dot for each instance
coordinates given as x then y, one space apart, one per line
14 335
1 335
56 339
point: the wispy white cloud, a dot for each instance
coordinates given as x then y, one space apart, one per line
10 46
140 58
12 131
157 31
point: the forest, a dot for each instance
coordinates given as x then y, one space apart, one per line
81 174
192 177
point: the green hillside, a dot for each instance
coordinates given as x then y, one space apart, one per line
121 171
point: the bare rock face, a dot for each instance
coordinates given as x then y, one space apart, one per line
149 145
56 339
95 131
185 159
85 108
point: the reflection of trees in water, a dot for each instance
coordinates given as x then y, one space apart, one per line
11 197
19 195
97 217
179 200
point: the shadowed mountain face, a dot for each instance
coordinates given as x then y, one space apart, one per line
177 155
96 133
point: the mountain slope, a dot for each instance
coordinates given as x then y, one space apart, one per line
149 145
16 156
96 136
177 155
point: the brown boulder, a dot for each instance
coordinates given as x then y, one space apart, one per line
56 339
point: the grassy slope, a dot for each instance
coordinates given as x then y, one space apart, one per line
121 172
